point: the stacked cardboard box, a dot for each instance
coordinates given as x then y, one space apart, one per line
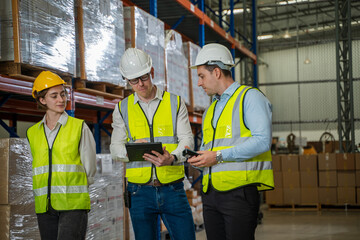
102 36
46 36
357 177
327 178
146 32
17 210
345 164
291 179
276 196
177 78
309 179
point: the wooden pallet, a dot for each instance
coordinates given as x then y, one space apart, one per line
28 72
104 89
295 207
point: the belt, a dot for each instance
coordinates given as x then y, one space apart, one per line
157 183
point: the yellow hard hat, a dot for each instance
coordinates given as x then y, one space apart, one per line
45 80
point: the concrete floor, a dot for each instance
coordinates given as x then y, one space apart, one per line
299 225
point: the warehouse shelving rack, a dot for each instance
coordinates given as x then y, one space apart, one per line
16 102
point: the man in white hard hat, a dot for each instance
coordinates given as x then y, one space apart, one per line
155 185
235 151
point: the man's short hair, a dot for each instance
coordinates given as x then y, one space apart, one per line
211 68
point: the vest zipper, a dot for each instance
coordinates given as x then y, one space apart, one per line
212 145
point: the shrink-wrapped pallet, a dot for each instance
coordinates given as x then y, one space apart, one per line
45 36
200 100
17 209
177 77
100 40
106 218
146 32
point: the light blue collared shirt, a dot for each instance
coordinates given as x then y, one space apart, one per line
257 117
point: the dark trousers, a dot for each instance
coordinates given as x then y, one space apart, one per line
69 225
231 215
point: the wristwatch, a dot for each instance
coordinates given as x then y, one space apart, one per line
219 158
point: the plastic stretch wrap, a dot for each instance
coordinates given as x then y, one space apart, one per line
104 38
177 74
17 210
146 32
200 99
47 33
106 217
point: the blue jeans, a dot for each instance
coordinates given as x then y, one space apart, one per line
170 202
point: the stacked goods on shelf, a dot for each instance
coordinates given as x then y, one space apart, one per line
195 202
43 33
199 99
345 165
146 32
106 218
177 78
100 40
17 209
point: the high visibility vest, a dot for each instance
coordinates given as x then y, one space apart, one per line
230 130
162 129
59 177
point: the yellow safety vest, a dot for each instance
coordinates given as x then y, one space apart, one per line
163 129
59 177
230 130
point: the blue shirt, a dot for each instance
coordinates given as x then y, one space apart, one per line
257 117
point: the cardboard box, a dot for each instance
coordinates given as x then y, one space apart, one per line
278 179
292 196
308 163
327 195
345 161
291 179
346 195
309 195
357 178
327 161
276 163
327 179
15 172
357 161
358 195
309 179
346 178
290 163
274 196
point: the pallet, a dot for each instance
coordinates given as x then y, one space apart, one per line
340 207
104 89
295 207
27 72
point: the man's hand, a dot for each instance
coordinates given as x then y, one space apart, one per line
205 159
159 159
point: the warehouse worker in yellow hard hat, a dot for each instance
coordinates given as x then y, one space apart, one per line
64 163
235 150
155 182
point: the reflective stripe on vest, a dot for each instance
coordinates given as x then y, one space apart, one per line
62 169
230 131
163 129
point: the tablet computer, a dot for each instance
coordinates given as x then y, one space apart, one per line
136 151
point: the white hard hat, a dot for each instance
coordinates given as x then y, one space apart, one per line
135 63
214 54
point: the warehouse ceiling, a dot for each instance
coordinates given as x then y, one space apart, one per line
280 24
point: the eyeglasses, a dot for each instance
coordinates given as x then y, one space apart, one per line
143 78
